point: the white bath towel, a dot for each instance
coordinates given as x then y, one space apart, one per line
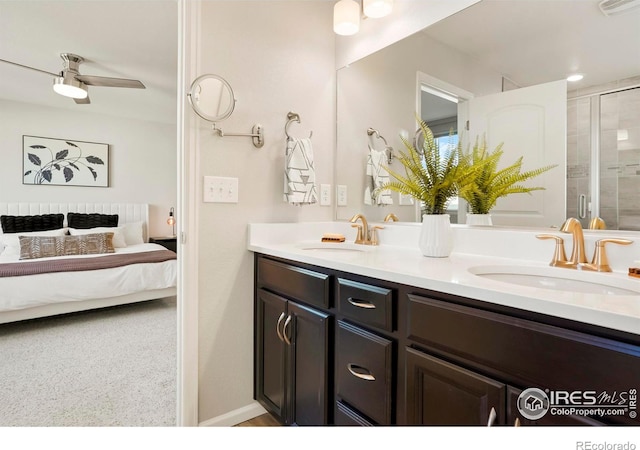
376 177
299 173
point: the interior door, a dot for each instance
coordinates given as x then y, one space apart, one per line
530 122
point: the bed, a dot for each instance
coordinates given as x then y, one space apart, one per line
101 265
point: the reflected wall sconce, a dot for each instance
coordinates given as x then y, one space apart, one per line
347 14
172 221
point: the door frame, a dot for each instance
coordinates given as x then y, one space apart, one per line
187 221
462 96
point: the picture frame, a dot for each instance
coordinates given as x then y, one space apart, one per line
64 162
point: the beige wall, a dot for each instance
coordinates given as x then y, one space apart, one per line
278 56
142 158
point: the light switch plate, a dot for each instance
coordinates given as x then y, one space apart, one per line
220 190
325 194
341 194
406 199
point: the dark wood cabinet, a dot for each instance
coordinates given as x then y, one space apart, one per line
343 349
441 393
292 360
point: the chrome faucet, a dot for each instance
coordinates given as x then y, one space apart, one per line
363 229
578 255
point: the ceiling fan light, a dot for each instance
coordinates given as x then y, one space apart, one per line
377 8
346 17
70 87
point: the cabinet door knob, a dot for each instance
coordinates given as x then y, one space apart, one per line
361 303
284 330
360 372
282 315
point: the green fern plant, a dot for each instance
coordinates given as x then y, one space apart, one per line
490 183
430 176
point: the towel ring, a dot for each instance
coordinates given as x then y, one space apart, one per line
387 148
293 117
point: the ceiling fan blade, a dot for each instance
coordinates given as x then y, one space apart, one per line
82 101
30 68
91 80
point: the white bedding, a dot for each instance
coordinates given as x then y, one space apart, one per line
42 289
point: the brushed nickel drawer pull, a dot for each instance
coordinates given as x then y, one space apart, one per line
360 372
284 330
282 315
361 303
492 417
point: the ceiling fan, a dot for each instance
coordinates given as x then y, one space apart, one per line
70 83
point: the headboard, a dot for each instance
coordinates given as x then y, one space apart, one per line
127 212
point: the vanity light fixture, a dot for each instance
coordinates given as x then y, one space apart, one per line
575 77
347 14
172 221
377 8
346 17
69 86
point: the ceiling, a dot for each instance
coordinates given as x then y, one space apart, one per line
135 39
537 41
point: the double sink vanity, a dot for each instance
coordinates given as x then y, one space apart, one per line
356 334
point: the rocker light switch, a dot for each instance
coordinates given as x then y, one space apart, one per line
220 190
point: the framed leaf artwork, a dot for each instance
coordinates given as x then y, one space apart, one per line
64 162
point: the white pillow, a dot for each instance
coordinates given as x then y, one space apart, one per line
10 242
118 234
133 233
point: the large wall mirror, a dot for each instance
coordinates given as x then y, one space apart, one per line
500 47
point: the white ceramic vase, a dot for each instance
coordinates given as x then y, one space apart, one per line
435 235
479 219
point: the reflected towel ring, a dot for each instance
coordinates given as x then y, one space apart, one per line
387 148
293 117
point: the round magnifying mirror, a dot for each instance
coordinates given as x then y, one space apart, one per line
211 97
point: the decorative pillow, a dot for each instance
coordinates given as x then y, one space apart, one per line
11 241
91 220
32 247
20 224
118 234
133 234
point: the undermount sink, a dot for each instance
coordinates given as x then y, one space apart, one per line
560 279
334 247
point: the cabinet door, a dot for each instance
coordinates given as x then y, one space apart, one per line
309 365
270 352
441 393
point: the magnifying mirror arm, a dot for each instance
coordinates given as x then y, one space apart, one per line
257 134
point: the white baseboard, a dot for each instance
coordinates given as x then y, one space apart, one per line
235 417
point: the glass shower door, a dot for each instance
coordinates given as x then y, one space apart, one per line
579 159
619 160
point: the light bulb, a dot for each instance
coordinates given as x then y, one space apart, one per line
377 8
346 17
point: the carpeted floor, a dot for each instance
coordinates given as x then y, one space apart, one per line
109 367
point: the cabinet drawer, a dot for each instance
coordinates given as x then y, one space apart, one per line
364 371
365 303
531 354
346 417
295 282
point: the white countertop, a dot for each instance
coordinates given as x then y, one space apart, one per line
400 261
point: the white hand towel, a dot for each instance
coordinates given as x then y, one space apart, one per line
299 173
377 176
